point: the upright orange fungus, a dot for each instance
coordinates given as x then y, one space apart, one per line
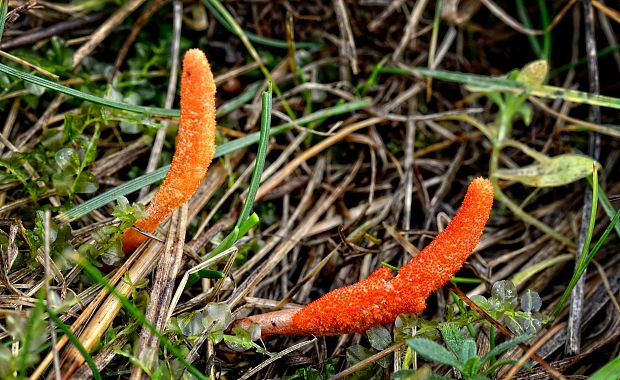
380 298
194 150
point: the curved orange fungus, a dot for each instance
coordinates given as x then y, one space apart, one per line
194 150
380 298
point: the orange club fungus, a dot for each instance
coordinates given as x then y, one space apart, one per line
380 298
194 150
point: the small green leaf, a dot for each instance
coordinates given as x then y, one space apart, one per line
90 151
435 352
505 291
505 346
555 171
217 314
534 73
530 301
525 111
62 183
356 354
85 183
471 367
379 337
34 89
68 160
457 342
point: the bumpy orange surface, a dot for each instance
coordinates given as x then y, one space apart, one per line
194 150
380 298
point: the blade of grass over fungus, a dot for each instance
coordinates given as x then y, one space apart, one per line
94 273
76 343
271 42
226 148
502 84
87 97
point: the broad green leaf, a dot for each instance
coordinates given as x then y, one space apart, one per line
435 352
555 171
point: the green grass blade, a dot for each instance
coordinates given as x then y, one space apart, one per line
133 310
610 370
87 97
592 221
525 19
279 44
607 206
586 259
263 143
614 221
237 102
583 258
249 223
544 18
579 271
226 243
113 194
507 85
245 220
4 7
226 148
75 341
234 235
571 65
236 29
